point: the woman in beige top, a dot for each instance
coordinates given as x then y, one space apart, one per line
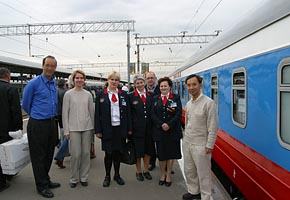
78 120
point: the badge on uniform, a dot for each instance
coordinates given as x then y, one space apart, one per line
135 102
124 102
102 100
169 109
173 105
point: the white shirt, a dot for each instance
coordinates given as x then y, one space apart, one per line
167 96
115 110
140 94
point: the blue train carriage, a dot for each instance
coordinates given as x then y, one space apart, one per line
246 70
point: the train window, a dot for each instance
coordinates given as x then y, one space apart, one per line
183 90
286 75
214 88
239 100
284 104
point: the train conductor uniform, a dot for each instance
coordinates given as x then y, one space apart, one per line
140 104
112 125
168 146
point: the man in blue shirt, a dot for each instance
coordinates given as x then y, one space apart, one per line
40 102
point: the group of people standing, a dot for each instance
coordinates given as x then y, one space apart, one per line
149 116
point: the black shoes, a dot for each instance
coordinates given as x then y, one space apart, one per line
139 176
189 196
147 175
164 182
168 184
119 180
107 181
72 185
84 184
53 185
4 186
46 193
151 167
161 182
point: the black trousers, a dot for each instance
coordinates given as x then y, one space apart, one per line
42 139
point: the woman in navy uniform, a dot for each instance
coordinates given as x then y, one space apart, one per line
140 103
112 124
165 113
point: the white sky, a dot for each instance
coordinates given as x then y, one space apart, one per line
153 18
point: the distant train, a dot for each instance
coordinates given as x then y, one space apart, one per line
90 85
247 72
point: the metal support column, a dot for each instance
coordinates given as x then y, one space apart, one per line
128 56
29 41
138 59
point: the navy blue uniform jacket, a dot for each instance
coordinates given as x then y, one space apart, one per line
103 114
140 113
169 113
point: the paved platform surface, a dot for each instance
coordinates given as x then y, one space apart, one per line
23 187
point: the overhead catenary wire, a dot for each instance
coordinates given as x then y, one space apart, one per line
31 17
207 16
194 15
34 46
19 11
50 43
39 12
203 21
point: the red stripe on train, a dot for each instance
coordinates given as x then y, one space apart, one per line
257 177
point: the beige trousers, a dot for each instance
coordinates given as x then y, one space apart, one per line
197 169
79 145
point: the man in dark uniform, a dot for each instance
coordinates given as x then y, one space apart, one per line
152 86
10 115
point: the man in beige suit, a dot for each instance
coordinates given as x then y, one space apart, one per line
201 127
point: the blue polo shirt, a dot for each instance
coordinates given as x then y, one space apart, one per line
40 98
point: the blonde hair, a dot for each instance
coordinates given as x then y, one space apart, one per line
114 75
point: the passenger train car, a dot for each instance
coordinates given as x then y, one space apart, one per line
246 70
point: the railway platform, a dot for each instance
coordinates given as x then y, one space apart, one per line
22 186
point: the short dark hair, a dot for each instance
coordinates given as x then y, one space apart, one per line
199 79
167 79
43 60
4 72
61 82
